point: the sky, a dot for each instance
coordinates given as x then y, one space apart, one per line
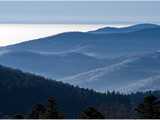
79 12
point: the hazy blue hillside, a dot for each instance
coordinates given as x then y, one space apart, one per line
115 61
133 71
52 65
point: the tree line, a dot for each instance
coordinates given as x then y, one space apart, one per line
148 109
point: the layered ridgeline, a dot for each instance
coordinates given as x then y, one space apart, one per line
20 91
123 59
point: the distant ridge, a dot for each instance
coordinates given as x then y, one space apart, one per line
71 35
97 45
132 28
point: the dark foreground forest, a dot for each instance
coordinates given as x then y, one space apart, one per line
24 95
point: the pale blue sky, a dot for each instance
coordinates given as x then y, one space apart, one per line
79 12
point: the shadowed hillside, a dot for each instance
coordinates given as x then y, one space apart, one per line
22 90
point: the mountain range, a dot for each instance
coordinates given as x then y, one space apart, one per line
121 59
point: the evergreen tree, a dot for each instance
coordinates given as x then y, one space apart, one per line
37 111
149 109
51 110
91 113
